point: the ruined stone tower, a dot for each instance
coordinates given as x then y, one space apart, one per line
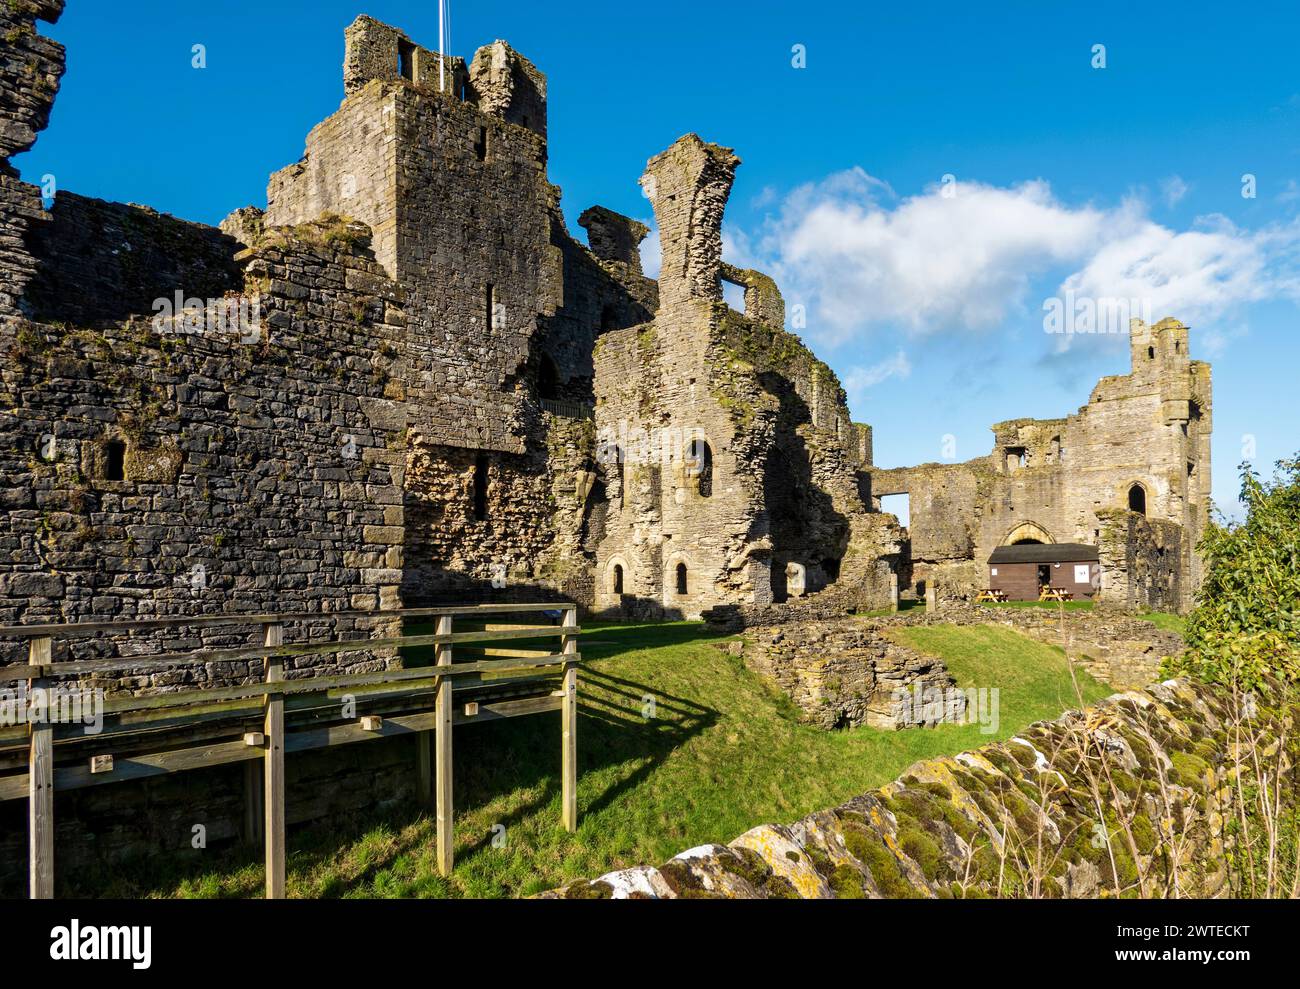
731 464
1128 474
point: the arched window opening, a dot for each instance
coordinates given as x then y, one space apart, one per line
480 488
1027 542
114 460
700 466
548 379
681 578
618 578
1151 353
1137 499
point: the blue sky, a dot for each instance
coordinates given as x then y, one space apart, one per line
1122 181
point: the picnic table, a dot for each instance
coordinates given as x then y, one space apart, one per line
991 595
1054 594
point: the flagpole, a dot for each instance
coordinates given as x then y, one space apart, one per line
442 52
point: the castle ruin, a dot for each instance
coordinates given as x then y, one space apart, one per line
444 396
1128 474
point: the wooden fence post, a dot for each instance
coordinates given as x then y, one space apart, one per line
569 725
424 767
40 783
253 812
273 770
442 743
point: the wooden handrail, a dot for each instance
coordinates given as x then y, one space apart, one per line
238 654
195 621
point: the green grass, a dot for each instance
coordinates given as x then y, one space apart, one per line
723 753
905 604
1166 621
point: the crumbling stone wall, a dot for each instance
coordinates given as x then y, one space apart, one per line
784 491
1016 818
374 50
527 537
30 69
1056 480
1142 561
259 475
842 674
105 261
31 66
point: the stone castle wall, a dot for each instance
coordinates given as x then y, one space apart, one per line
1061 480
260 475
31 67
105 261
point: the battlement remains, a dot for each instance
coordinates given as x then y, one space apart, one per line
613 236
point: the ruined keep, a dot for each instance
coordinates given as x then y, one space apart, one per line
403 381
1128 474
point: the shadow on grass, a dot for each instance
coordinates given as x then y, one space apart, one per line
491 760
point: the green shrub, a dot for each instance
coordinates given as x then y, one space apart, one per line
1246 625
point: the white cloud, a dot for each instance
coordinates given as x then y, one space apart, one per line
858 380
861 258
1173 189
652 257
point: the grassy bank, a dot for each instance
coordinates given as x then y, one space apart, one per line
722 753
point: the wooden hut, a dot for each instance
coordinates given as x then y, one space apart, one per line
1022 569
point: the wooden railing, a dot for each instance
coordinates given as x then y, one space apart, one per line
499 683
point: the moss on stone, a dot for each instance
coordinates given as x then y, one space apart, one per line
846 883
925 852
1192 770
870 850
589 891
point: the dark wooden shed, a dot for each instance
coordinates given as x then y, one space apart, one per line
1021 569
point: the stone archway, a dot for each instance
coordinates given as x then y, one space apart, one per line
1027 532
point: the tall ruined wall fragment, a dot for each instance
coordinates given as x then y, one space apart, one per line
688 185
30 69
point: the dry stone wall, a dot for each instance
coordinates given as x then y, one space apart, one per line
1013 819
